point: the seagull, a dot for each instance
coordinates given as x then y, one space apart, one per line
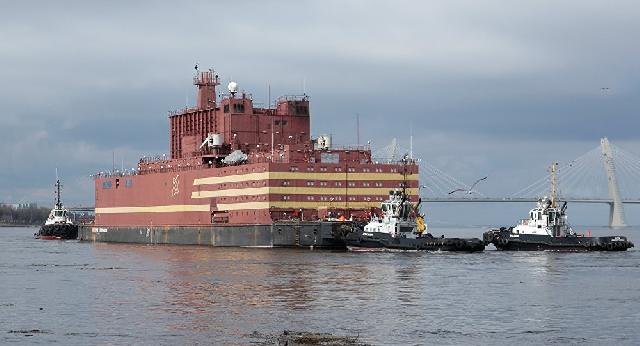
470 190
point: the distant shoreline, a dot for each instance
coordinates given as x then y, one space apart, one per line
5 225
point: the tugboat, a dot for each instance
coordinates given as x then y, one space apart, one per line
401 227
58 225
547 228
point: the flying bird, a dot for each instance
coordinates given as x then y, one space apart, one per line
469 190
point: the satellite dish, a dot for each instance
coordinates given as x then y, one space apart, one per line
232 87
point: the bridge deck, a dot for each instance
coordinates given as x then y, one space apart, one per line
519 200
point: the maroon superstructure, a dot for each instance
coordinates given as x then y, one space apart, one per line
233 163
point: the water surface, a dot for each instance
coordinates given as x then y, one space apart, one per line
78 293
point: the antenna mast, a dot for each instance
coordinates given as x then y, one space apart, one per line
58 203
405 162
402 212
410 142
358 129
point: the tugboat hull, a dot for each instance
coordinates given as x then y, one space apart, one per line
58 231
375 241
504 239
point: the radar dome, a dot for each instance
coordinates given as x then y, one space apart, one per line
232 87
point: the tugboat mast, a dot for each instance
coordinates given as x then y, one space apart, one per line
404 175
554 185
58 203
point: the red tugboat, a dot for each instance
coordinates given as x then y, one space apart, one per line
58 225
243 175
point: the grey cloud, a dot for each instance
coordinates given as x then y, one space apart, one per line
480 83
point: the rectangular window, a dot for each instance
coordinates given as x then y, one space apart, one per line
329 158
106 184
238 107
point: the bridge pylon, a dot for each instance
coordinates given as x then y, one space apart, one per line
616 210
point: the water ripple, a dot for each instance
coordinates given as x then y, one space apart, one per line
83 293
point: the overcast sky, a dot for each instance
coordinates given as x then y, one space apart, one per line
497 88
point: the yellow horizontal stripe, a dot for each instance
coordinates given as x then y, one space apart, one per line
340 176
292 204
231 178
231 192
154 209
303 175
292 190
246 205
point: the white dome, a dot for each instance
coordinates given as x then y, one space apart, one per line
232 87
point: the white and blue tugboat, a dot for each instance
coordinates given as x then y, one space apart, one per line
547 228
59 224
402 227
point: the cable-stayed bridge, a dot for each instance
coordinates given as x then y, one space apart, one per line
606 174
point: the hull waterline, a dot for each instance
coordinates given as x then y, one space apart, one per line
311 234
363 241
504 239
58 232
